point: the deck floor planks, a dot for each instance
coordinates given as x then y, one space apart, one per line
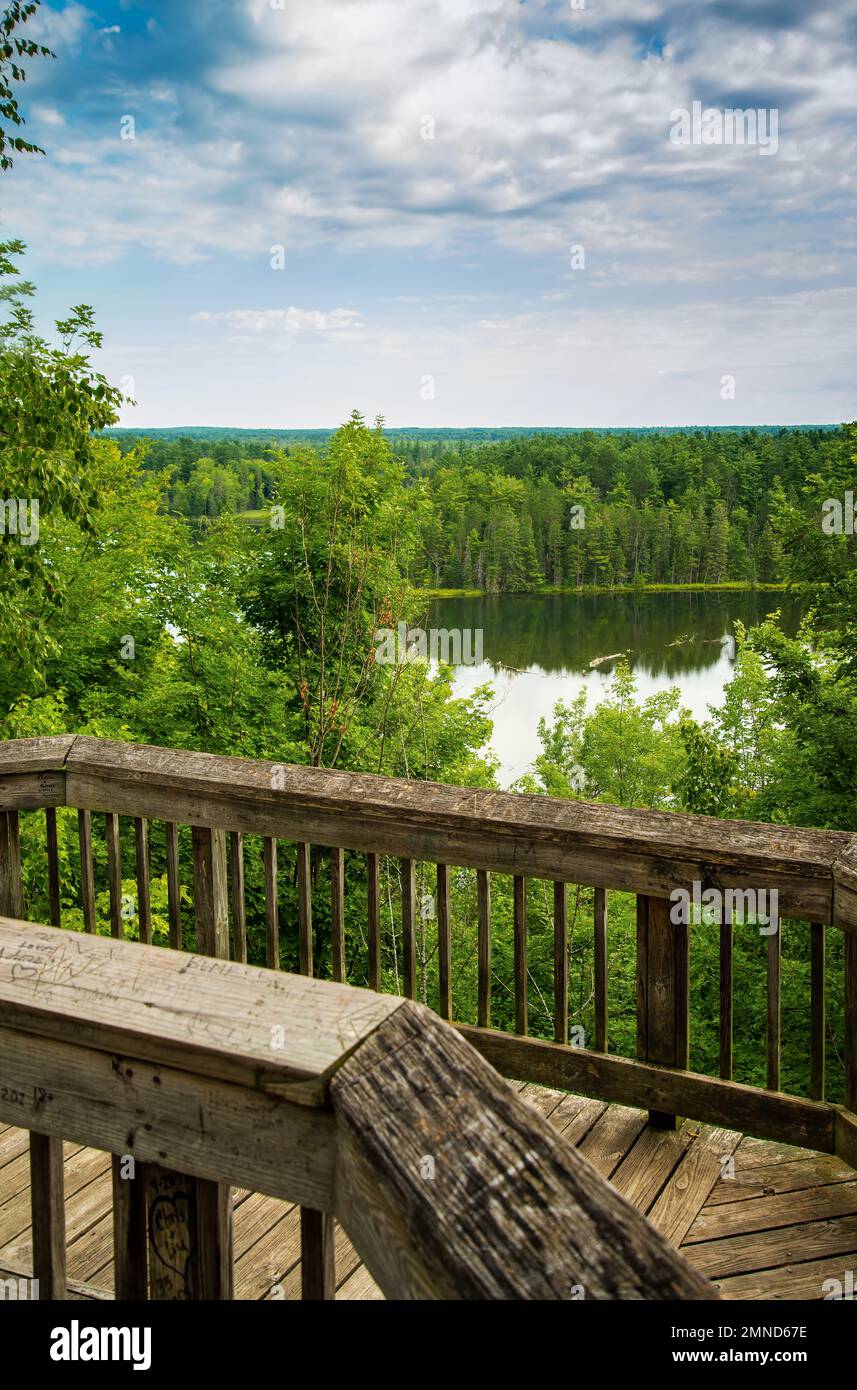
779 1229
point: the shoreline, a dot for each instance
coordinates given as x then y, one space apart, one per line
587 590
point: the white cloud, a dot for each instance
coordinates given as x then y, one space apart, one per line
292 320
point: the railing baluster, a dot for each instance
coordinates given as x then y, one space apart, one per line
174 898
87 877
850 1039
560 962
727 991
130 1240
483 909
373 893
53 866
337 914
114 873
47 1205
444 943
5 867
272 916
600 969
16 881
239 916
774 1008
144 902
521 993
409 929
304 910
663 992
818 1007
318 1259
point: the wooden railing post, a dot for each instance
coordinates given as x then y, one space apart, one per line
663 992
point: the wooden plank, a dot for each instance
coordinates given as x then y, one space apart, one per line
650 852
845 888
444 944
44 753
807 1280
769 1114
679 1204
87 878
789 1209
774 1008
763 1250
373 904
769 1179
818 1024
645 1170
575 1116
305 951
183 1120
47 1205
173 885
213 1017
337 914
130 1258
114 873
409 929
560 962
600 970
272 915
753 1153
727 988
522 1007
612 1137
53 866
483 908
318 1257
236 886
472 1242
144 899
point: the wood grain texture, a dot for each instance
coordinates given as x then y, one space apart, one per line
236 893
650 852
174 900
768 1114
212 1016
305 937
452 1187
318 1256
53 866
144 899
272 911
130 1256
114 873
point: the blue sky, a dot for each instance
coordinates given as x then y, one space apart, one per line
430 279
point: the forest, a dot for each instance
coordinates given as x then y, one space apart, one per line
528 512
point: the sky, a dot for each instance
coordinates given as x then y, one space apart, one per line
449 212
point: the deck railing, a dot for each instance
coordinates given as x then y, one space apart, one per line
650 854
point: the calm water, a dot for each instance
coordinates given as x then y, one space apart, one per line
538 650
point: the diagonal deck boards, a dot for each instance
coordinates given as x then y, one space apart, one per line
791 1223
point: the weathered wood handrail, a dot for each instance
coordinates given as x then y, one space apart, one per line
647 853
358 1105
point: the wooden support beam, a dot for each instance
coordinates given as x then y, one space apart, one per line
663 992
114 873
560 962
239 915
87 877
174 899
53 866
600 970
318 1256
305 939
438 1218
272 911
47 1203
522 1009
144 901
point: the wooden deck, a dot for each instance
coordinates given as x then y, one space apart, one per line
782 1225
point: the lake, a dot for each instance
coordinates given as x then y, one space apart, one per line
538 649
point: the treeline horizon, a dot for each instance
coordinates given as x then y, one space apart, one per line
531 511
